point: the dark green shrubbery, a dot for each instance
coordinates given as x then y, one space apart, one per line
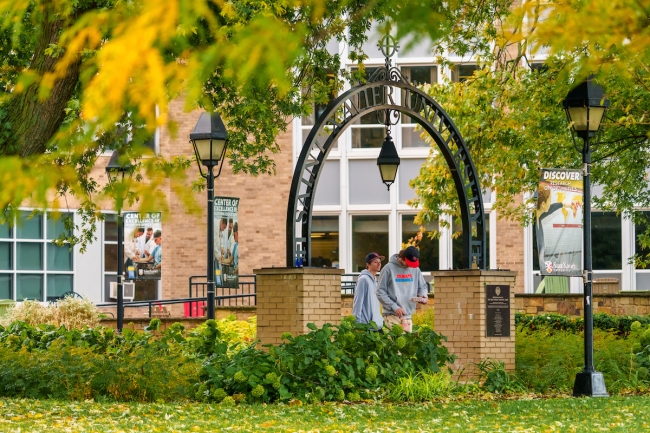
345 362
621 325
550 351
49 362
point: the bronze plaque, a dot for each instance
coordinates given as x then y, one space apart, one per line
497 311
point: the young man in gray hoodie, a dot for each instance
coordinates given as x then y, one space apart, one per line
400 283
366 305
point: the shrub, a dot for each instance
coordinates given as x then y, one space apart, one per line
49 362
493 377
424 318
69 312
350 360
423 387
548 360
621 325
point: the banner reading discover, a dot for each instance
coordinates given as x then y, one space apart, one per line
559 222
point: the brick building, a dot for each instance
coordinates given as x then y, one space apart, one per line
354 214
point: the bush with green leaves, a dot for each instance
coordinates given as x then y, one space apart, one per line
493 377
559 322
548 359
424 386
69 311
350 361
424 317
50 362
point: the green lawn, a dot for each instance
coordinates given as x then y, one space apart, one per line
620 414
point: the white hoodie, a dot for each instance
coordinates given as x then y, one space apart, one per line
366 306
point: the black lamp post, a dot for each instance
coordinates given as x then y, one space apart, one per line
585 107
210 140
388 159
115 170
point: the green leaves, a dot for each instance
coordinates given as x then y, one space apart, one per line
328 363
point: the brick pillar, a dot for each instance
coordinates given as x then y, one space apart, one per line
290 298
460 315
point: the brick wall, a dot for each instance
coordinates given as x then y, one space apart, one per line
510 247
621 304
262 211
460 316
290 298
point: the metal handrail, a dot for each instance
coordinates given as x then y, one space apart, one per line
348 284
153 303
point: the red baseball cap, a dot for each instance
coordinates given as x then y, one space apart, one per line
412 257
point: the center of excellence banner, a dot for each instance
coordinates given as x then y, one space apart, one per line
226 242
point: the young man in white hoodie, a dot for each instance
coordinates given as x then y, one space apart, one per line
366 305
400 284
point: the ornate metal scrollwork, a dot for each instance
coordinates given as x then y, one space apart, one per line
377 95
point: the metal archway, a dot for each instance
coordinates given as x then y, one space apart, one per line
378 95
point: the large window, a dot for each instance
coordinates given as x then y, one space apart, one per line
31 266
429 248
369 233
642 275
308 121
463 72
606 241
144 290
457 243
325 241
367 131
417 75
640 228
365 183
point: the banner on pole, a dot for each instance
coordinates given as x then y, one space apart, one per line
559 222
226 242
143 245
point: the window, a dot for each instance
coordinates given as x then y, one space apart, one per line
365 132
457 243
369 233
31 266
642 275
463 72
639 228
606 241
308 121
144 290
328 191
325 241
365 183
407 171
539 67
429 248
417 75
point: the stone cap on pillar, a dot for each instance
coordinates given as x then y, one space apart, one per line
474 273
298 271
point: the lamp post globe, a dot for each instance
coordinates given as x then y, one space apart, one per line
210 141
117 167
388 161
585 107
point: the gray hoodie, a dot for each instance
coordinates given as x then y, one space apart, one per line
397 285
366 305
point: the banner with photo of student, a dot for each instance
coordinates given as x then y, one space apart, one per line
559 222
226 242
142 245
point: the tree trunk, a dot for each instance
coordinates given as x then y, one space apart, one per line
31 122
